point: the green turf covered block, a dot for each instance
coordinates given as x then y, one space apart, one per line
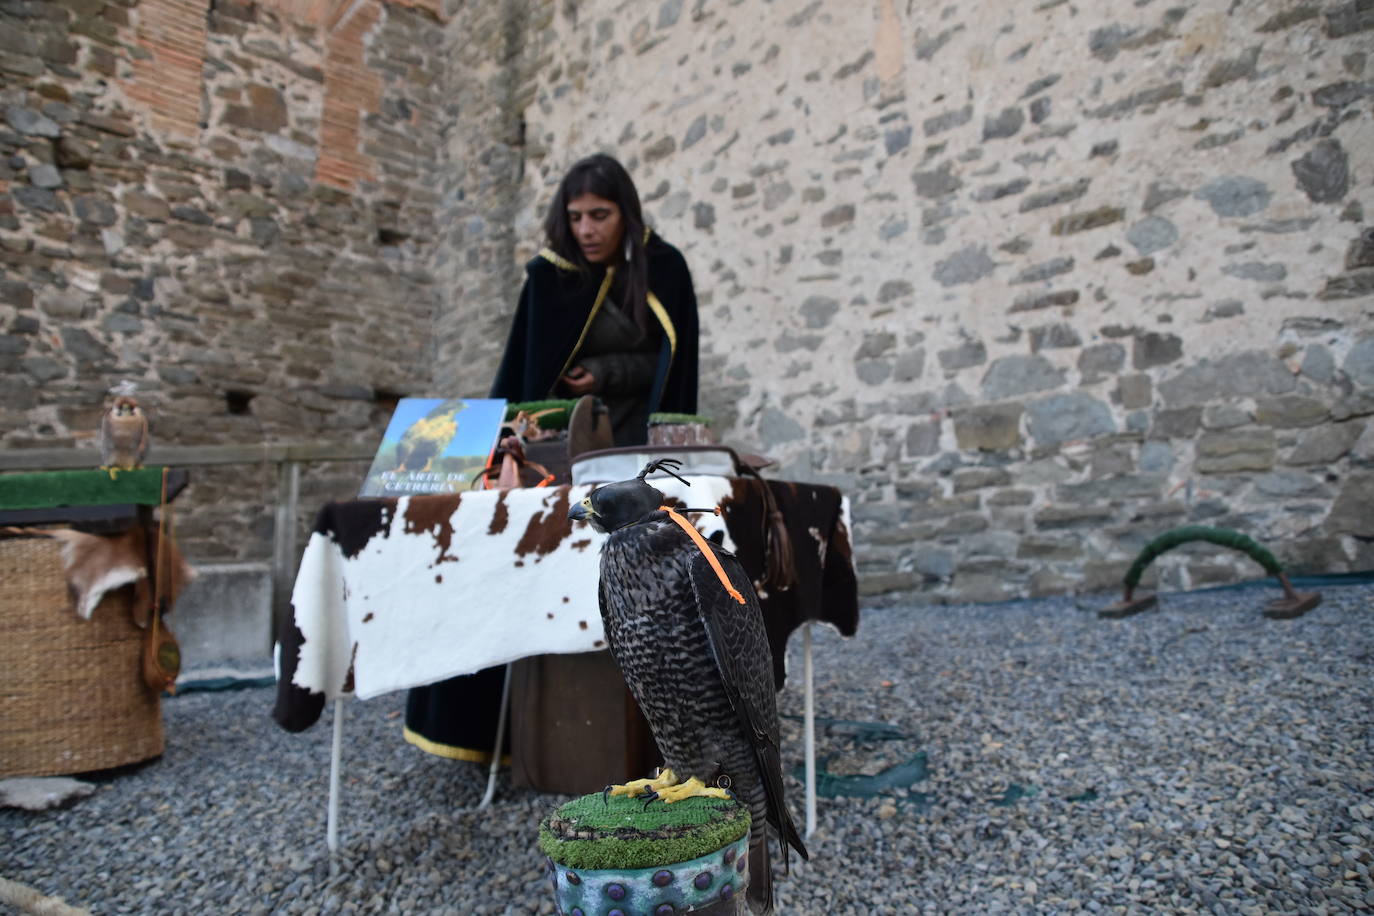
48 489
559 410
672 419
622 832
623 855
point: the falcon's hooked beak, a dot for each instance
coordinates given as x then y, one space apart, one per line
583 512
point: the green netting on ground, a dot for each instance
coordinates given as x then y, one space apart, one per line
856 730
901 775
226 682
51 489
896 781
1014 793
622 832
1297 580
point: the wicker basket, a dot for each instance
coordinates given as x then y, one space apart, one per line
72 697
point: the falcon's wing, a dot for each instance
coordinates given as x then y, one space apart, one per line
739 643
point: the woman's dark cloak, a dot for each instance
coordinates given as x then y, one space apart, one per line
458 717
557 305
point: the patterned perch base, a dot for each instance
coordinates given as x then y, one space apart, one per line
1290 605
621 857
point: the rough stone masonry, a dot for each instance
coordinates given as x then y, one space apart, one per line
1031 282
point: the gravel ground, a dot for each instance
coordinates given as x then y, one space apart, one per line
1198 758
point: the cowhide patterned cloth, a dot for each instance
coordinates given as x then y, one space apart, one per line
396 593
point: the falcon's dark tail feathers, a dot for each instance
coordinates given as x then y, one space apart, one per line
789 837
760 893
779 819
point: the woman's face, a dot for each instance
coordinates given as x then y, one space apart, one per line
598 227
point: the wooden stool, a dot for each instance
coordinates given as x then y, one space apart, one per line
616 856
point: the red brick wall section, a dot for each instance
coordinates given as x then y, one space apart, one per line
166 80
428 6
306 12
350 90
329 13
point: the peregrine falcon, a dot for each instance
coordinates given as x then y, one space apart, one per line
684 624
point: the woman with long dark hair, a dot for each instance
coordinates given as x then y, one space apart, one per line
608 309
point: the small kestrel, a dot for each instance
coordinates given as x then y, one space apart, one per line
123 432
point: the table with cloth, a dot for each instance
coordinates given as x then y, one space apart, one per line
400 592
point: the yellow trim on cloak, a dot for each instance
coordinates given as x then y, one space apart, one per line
662 314
556 259
655 306
596 307
448 750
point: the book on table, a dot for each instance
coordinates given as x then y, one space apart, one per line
434 445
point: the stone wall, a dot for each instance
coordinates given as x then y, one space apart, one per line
1031 282
491 48
231 204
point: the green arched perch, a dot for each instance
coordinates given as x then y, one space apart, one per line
1291 605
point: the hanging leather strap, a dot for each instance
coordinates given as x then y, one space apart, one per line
161 654
779 563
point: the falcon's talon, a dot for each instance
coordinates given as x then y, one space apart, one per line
692 788
642 788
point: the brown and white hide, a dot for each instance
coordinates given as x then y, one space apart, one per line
96 564
396 593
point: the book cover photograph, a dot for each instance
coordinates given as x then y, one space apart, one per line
434 445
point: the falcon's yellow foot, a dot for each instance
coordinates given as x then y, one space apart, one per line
638 788
692 788
666 787
111 470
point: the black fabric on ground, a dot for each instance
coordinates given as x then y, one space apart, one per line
458 717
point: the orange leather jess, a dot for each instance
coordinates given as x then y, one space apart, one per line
706 551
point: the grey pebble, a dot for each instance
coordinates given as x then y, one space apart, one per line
1195 758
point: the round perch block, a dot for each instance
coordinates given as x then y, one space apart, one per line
668 429
621 857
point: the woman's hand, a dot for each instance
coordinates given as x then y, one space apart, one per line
578 381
